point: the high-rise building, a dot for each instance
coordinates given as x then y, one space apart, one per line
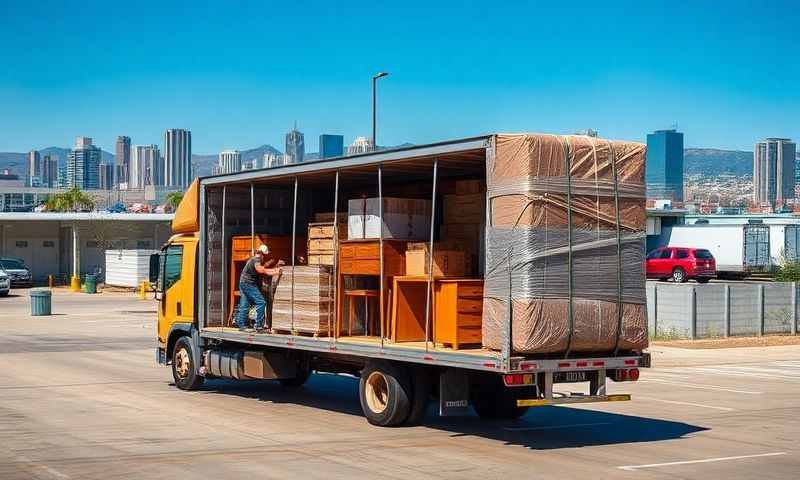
272 159
144 167
664 168
34 169
105 176
83 165
331 146
774 166
49 171
360 145
122 159
177 157
230 161
295 146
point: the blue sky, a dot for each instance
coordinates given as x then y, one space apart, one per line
238 74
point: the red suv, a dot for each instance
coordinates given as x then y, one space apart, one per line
681 264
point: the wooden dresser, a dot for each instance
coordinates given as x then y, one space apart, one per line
458 307
363 257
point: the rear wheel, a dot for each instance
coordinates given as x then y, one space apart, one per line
184 371
678 275
385 394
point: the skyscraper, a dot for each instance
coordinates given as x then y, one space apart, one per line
295 146
122 159
144 166
230 161
34 169
105 176
49 171
360 145
331 146
177 157
665 165
83 165
773 171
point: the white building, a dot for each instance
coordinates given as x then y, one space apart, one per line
145 167
360 145
272 159
230 161
177 157
774 171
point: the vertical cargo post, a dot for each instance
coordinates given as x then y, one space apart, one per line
380 246
294 234
222 259
429 283
252 221
334 308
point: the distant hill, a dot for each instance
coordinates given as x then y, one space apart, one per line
204 163
18 162
712 161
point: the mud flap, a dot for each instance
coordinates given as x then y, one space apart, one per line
453 393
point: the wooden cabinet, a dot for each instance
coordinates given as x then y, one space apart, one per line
363 257
458 307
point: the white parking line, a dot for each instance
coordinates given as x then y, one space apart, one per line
734 373
554 427
632 468
676 402
700 386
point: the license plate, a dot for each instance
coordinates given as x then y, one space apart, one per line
569 376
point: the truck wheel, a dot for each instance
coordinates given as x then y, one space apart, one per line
491 399
421 384
702 280
184 371
678 275
303 372
385 392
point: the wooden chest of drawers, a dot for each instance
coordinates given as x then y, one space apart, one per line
459 311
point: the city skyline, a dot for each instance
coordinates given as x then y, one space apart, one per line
622 89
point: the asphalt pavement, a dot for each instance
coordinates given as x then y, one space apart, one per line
81 397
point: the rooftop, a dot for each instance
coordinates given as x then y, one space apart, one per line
85 216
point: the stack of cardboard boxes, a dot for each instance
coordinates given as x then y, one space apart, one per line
313 310
464 220
323 238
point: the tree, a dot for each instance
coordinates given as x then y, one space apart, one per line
789 270
73 200
174 199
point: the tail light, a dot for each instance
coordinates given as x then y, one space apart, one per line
620 375
517 379
626 375
633 374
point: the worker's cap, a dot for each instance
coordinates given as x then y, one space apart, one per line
263 249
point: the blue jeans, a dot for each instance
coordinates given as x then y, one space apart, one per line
250 295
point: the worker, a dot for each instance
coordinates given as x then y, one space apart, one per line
250 288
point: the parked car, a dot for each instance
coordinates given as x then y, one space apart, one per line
5 284
16 270
681 264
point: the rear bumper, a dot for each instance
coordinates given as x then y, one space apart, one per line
704 274
570 399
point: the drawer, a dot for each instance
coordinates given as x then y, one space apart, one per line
347 251
360 267
370 250
469 320
470 290
469 335
470 305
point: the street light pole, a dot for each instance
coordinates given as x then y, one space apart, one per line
374 106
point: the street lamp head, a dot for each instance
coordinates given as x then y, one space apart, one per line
379 75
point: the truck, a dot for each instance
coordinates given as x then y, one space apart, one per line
193 276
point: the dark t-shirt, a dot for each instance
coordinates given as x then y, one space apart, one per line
249 273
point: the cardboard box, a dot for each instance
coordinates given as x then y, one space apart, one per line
403 218
326 230
320 259
465 208
446 263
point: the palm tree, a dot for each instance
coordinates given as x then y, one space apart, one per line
174 199
73 200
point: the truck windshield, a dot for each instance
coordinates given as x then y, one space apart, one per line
703 254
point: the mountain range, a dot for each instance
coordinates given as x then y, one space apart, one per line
706 161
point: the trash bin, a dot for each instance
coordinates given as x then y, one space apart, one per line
40 301
91 284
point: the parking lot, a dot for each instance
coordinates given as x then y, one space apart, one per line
82 397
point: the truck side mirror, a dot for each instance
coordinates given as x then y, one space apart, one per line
155 262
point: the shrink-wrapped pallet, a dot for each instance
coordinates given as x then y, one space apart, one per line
313 300
565 245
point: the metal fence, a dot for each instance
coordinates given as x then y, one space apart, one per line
721 309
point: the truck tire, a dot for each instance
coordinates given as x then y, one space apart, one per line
421 386
385 394
184 371
492 400
678 275
303 373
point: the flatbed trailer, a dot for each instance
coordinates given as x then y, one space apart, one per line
397 379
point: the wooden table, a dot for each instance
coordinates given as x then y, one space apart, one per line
363 257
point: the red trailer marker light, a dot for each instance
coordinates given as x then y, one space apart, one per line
621 375
633 374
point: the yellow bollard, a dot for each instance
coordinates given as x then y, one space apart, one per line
75 284
143 288
50 281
